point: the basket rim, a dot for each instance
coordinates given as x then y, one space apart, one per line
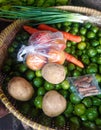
80 9
6 31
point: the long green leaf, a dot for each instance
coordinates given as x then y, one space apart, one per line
47 15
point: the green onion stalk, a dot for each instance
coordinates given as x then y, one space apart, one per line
47 15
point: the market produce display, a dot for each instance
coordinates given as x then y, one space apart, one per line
80 112
37 3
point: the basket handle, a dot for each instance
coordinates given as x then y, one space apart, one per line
80 9
8 34
3 110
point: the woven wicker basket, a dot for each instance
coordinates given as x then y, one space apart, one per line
6 37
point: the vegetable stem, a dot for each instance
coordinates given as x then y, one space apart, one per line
47 15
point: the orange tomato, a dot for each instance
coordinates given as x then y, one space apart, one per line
35 62
61 44
56 56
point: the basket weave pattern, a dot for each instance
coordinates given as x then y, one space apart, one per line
6 37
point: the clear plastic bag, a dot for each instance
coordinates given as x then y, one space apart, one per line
43 47
44 37
84 86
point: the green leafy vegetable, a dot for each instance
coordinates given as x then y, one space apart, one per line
47 15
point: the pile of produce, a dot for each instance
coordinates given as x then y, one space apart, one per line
34 3
85 58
